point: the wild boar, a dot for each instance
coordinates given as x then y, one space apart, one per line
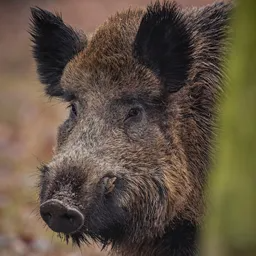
132 158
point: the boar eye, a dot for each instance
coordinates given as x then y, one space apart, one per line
134 114
73 109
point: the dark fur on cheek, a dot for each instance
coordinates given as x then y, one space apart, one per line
163 44
54 45
107 218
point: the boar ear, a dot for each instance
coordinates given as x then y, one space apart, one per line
163 44
54 45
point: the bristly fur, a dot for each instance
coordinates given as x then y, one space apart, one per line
164 45
134 153
54 45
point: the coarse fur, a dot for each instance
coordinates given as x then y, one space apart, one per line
134 153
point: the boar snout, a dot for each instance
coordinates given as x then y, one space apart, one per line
61 218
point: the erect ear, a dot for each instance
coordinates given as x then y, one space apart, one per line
54 45
163 44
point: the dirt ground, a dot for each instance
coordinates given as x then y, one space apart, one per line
28 122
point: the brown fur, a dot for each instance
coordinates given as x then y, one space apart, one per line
158 172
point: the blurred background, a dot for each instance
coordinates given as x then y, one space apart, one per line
28 122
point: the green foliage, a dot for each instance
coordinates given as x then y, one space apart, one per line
230 227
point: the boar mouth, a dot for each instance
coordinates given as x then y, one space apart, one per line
81 237
69 223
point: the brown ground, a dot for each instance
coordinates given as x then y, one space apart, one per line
28 123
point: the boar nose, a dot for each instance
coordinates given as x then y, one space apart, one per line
61 218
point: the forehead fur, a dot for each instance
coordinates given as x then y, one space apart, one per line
113 40
110 46
109 54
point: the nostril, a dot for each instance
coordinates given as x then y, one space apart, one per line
46 216
71 217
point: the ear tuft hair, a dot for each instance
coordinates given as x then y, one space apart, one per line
163 44
54 45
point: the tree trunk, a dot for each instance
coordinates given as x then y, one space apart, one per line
230 225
